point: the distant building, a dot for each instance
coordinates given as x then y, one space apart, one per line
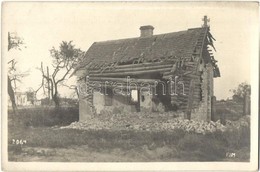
25 99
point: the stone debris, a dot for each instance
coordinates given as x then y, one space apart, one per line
242 122
154 122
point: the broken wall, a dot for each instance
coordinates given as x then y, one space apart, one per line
203 112
146 102
85 107
119 104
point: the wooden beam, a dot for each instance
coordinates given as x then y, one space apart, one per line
132 69
124 86
134 65
190 100
130 73
122 79
141 65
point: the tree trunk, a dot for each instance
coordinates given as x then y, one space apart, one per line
56 101
55 96
11 95
77 92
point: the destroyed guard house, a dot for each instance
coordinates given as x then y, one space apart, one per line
154 73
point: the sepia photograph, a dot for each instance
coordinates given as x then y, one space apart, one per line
130 86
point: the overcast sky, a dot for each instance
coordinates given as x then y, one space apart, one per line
44 25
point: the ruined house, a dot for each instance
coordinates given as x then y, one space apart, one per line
165 72
24 99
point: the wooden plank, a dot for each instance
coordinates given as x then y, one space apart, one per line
133 69
130 73
188 78
144 65
140 65
123 79
190 100
124 86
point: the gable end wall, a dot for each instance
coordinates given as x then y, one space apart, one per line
203 112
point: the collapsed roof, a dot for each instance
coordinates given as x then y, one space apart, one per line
168 47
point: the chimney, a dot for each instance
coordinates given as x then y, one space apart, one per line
146 31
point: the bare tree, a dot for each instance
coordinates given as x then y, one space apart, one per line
15 75
14 42
72 87
11 95
64 60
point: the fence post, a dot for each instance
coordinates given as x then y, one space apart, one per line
246 105
223 115
213 108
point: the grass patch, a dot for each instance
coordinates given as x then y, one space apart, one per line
45 116
186 146
204 147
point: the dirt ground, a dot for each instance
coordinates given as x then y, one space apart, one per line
86 154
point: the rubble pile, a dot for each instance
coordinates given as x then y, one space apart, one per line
194 126
154 122
242 122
